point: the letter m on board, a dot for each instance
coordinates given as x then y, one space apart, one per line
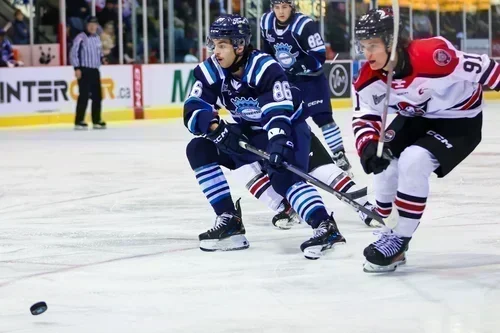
181 89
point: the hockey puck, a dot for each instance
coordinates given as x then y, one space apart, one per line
38 308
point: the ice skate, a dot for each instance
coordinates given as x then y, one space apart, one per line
340 160
228 233
81 126
368 220
325 236
99 125
387 253
287 217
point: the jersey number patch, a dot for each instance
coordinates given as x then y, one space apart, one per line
470 66
315 40
197 89
281 91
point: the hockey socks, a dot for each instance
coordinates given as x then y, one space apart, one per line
307 202
333 138
215 187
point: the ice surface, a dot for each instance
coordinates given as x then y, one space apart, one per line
103 226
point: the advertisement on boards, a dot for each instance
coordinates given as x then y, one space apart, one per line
166 85
339 75
49 90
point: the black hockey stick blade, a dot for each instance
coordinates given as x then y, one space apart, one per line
341 196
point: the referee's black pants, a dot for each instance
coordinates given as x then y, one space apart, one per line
89 86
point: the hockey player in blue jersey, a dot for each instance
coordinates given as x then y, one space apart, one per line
254 89
295 42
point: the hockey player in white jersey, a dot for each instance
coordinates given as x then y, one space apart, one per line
437 94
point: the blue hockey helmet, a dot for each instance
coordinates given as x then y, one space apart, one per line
277 2
231 26
289 2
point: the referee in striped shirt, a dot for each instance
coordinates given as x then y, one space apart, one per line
86 58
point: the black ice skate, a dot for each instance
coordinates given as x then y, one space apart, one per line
387 253
227 234
287 217
81 126
342 162
368 220
325 236
99 125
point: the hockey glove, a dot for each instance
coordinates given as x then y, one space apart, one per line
280 147
296 69
226 137
372 163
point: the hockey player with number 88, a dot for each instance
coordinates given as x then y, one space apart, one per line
293 39
436 93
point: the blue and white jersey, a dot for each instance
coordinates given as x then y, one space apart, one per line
298 47
261 97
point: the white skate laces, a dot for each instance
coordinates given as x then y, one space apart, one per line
388 243
221 221
321 229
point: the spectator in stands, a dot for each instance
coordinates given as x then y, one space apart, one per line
191 57
422 26
109 13
108 40
78 11
78 8
21 32
99 5
7 52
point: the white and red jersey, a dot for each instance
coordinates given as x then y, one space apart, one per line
444 83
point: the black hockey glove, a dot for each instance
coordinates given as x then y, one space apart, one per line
372 163
296 69
226 137
280 148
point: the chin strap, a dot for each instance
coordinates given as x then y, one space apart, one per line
388 58
403 66
240 60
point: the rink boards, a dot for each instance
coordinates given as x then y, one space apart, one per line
47 95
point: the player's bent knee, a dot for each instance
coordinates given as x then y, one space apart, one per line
323 118
415 161
282 181
200 152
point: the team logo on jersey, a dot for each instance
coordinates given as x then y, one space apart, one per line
269 38
247 108
284 55
441 57
389 135
236 85
377 99
408 110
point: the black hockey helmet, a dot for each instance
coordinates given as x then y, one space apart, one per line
377 23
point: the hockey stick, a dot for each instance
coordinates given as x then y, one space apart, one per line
341 196
392 64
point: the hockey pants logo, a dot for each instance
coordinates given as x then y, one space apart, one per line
440 138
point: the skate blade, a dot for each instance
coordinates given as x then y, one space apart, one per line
287 224
317 251
233 243
369 267
375 224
